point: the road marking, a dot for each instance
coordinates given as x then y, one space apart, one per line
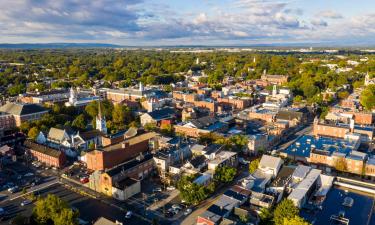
37 189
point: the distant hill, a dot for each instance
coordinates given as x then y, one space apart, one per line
56 45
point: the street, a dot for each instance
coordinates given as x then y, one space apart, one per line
85 205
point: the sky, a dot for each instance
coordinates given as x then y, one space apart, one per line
189 22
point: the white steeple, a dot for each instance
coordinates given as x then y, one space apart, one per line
100 120
72 97
141 88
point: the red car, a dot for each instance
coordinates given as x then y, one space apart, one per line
84 180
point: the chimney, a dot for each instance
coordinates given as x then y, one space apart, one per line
125 144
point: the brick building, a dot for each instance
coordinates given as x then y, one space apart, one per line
44 154
22 112
116 154
137 168
275 79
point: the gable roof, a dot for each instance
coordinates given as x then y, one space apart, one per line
57 134
21 109
42 149
204 121
104 221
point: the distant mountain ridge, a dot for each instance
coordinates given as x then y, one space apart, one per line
56 45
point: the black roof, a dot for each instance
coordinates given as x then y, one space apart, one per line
217 210
204 121
128 165
164 113
235 195
197 160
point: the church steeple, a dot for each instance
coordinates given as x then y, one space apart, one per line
100 120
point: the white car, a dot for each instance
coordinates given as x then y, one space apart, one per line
171 188
128 214
26 202
187 212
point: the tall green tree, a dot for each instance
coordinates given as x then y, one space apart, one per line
284 210
225 174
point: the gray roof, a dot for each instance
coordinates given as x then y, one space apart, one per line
21 109
56 134
270 161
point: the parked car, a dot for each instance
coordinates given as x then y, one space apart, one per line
29 175
157 189
128 214
13 189
176 206
171 188
84 180
187 212
26 202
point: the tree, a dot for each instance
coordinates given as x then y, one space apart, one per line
238 142
284 210
55 210
20 220
150 126
254 165
296 220
266 217
225 174
367 98
79 122
33 133
191 192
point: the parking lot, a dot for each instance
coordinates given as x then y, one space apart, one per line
159 200
90 209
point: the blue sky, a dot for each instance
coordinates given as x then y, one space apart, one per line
192 22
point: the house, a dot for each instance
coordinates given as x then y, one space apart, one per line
209 151
195 165
257 142
223 158
270 165
22 112
45 154
305 188
157 116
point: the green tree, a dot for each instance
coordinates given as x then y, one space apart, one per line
225 174
254 165
367 98
33 133
150 126
79 122
296 220
238 142
55 210
284 210
266 217
191 192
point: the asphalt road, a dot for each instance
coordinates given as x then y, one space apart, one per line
90 209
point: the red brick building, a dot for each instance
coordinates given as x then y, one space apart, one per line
114 155
44 154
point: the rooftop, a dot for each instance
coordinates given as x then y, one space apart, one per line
304 144
21 109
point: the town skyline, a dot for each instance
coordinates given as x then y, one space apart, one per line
171 23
